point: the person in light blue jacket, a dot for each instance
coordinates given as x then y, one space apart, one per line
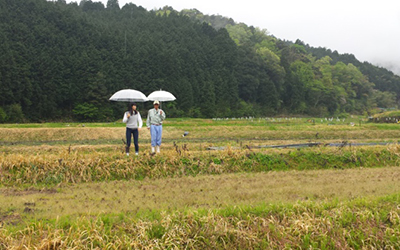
155 118
134 124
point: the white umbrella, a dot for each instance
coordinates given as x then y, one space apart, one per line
161 96
128 95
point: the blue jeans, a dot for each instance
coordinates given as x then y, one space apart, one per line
155 132
135 133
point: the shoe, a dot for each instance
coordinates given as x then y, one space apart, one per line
137 153
152 149
158 149
127 154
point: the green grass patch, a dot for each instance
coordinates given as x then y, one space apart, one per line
388 126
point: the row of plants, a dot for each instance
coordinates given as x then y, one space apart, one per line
84 136
75 167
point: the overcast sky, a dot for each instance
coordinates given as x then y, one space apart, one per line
368 29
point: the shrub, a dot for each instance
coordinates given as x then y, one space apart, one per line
14 113
86 111
3 115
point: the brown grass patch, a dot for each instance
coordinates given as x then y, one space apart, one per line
205 191
342 132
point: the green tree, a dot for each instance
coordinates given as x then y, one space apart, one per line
302 78
113 5
14 113
207 99
3 115
86 112
384 99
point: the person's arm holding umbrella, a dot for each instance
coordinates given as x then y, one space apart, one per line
126 117
162 115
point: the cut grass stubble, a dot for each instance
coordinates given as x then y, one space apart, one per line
201 192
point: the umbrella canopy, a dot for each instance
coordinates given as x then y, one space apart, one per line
161 96
128 95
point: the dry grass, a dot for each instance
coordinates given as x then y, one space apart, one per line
77 164
210 132
60 134
51 165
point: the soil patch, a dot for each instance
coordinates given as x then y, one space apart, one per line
28 191
10 219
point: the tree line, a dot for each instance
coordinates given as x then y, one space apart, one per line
62 61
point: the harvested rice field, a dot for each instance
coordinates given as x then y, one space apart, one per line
228 183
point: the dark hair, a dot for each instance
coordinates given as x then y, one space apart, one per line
130 108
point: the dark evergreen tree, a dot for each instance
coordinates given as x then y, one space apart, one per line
112 5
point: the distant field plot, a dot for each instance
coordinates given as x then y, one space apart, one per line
71 185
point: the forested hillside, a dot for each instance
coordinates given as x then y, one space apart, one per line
63 61
329 73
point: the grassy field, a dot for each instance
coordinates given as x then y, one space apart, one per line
70 186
